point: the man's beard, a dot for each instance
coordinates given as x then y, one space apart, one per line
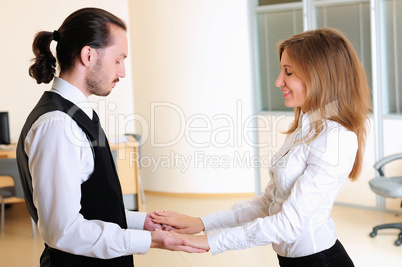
95 79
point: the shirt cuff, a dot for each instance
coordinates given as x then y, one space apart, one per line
218 220
135 220
228 239
140 241
207 220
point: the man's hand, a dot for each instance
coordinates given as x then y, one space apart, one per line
149 225
179 223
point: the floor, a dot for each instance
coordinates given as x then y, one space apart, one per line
19 249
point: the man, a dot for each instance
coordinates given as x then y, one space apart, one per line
71 186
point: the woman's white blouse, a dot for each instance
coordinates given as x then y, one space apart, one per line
294 212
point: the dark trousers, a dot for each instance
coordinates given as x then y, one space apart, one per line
336 256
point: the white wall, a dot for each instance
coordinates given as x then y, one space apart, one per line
191 75
20 21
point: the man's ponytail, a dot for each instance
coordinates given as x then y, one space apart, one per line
44 67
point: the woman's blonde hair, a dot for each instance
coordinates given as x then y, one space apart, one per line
336 84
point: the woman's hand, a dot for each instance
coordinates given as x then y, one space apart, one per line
176 242
180 223
197 241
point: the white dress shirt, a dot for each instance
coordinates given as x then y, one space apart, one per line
60 160
294 212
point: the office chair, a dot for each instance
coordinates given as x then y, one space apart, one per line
390 187
9 167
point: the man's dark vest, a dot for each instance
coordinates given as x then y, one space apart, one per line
101 196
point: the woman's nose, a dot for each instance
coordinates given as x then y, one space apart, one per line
280 82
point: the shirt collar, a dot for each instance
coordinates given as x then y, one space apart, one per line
305 121
73 94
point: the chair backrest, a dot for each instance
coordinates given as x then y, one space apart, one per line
9 167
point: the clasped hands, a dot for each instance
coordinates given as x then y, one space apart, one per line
175 231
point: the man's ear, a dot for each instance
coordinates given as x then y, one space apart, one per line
87 55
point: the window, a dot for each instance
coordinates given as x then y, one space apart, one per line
274 25
279 19
273 2
392 46
353 20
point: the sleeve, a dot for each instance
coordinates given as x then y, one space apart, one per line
135 220
57 165
240 213
327 161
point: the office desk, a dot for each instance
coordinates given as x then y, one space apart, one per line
8 151
127 168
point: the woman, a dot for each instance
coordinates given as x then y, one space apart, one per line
323 80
